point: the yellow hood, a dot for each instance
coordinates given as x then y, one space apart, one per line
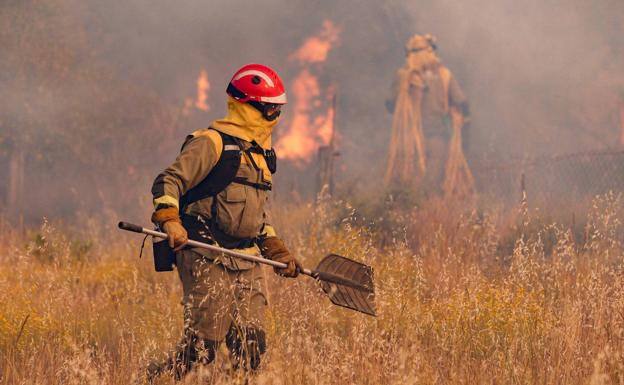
245 122
424 56
422 60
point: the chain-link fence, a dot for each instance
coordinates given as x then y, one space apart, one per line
555 180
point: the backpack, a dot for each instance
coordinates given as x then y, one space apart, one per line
222 175
224 172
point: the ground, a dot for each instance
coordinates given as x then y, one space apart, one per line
464 297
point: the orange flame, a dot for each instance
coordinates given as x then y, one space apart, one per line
203 87
326 129
316 48
311 125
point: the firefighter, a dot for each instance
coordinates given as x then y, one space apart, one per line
428 107
216 191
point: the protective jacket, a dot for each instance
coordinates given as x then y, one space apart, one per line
216 192
438 92
236 215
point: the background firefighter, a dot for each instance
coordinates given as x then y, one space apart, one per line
429 111
223 297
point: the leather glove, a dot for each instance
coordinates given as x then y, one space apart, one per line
274 249
169 221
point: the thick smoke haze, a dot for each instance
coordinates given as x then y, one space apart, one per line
93 92
545 76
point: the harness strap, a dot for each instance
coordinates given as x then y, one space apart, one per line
259 186
219 177
251 159
269 156
258 150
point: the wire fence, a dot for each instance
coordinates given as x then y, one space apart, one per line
556 180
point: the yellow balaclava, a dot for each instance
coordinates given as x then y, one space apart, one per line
243 121
420 53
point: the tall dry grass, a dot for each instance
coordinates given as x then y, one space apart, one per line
464 297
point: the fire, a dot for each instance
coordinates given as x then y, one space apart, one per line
305 134
312 122
316 48
326 128
203 87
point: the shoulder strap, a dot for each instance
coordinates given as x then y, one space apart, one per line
224 172
221 175
269 156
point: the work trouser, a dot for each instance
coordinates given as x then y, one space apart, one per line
437 133
220 303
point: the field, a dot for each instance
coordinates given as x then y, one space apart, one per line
464 296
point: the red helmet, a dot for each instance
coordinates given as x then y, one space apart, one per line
257 83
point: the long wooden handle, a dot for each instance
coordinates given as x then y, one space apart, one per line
247 257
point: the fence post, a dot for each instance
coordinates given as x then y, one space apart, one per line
523 188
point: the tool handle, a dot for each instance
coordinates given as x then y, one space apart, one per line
247 257
130 227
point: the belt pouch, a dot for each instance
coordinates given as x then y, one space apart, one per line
164 256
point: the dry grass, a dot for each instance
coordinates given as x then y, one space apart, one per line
462 299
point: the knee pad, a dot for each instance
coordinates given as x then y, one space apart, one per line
207 351
246 346
184 357
259 337
192 350
256 346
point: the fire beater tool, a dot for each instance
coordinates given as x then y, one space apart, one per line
346 282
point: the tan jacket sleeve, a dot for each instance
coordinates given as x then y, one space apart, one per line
394 91
198 156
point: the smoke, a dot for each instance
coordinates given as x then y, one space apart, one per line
541 78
